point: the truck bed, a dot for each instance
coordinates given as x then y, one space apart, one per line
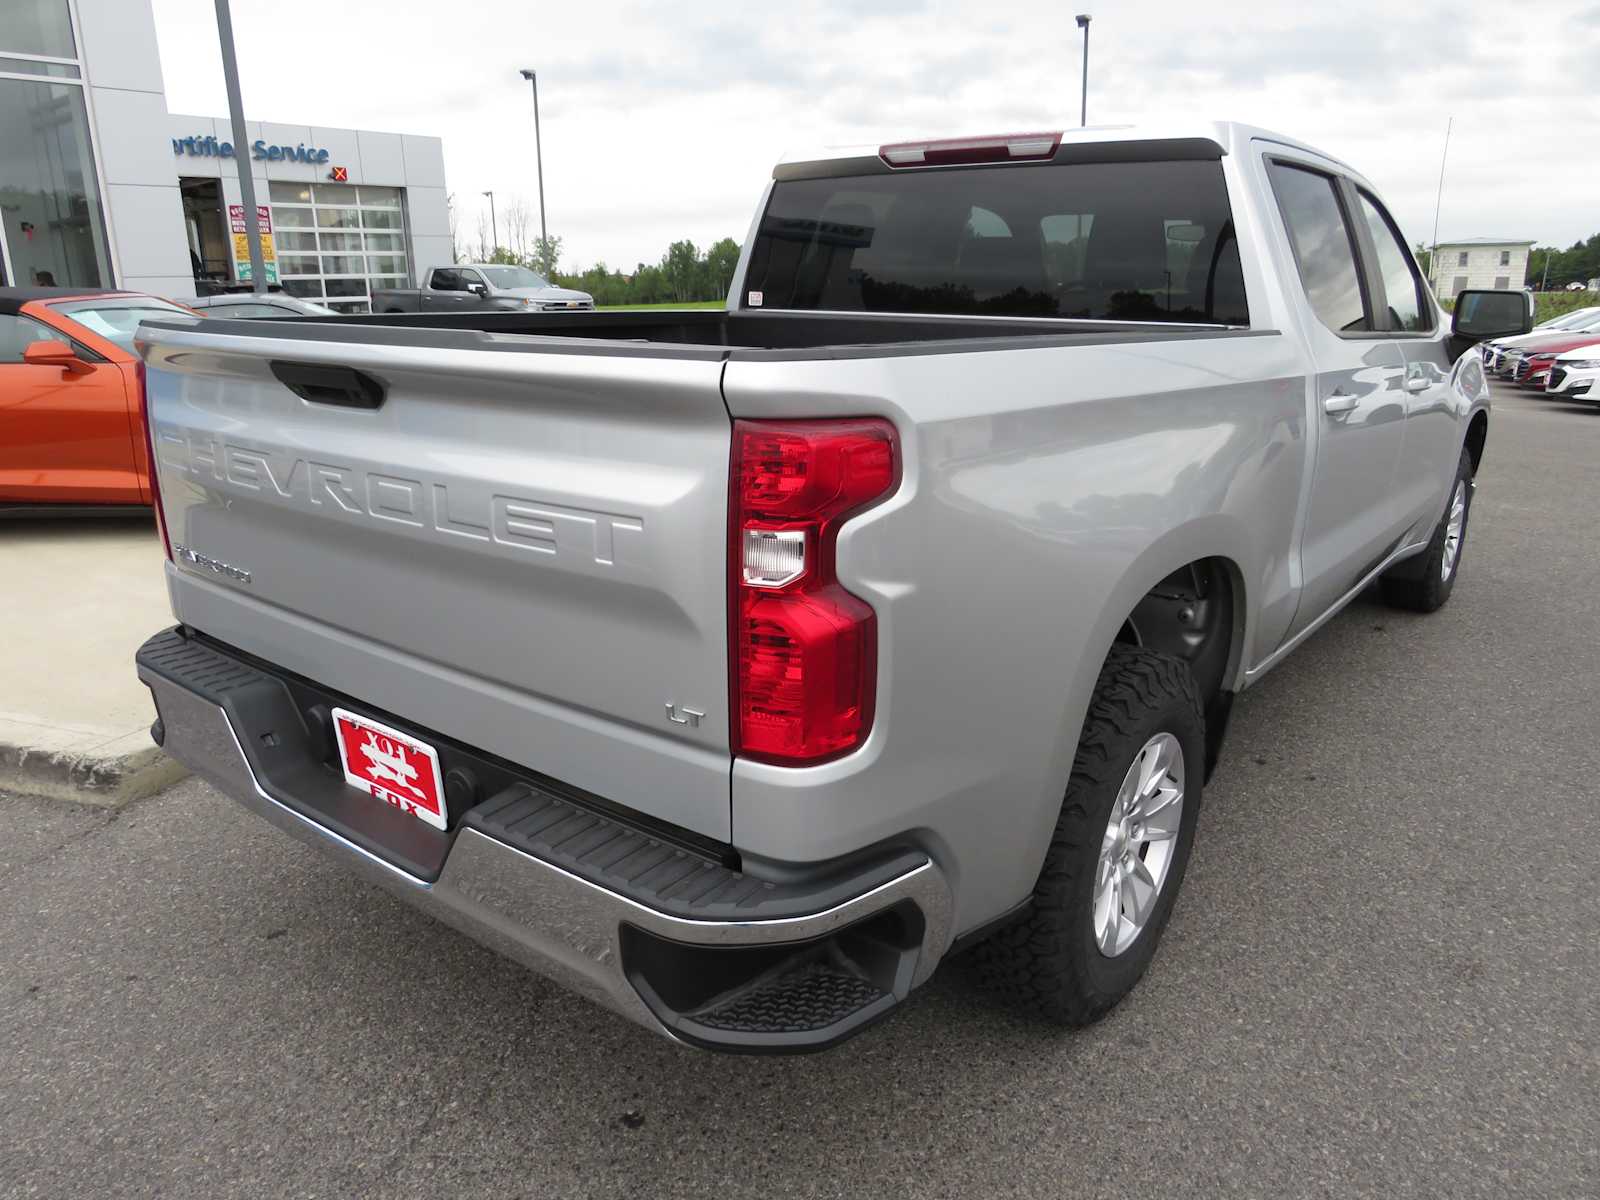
739 334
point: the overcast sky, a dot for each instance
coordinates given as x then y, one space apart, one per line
662 121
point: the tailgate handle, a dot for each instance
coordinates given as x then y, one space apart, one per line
344 386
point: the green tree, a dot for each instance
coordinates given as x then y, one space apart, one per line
546 256
1424 260
681 268
721 259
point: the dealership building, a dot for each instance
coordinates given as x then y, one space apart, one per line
100 186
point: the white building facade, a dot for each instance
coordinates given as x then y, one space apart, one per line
1496 264
101 187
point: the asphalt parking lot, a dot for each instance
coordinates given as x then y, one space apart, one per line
1381 979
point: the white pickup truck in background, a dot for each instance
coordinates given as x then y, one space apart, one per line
736 668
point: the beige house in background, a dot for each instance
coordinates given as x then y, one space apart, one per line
1497 263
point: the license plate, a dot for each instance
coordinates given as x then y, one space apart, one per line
390 766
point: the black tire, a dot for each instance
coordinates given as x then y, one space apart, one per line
1049 960
1421 583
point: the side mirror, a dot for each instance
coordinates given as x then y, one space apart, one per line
1481 315
478 289
46 353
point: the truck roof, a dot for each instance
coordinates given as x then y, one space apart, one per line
1227 136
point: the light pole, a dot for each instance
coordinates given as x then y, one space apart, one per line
494 228
538 154
1083 24
247 187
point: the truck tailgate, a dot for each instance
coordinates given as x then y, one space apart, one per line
522 548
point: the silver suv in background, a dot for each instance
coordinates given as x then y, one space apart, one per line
736 668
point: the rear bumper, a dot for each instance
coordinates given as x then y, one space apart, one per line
666 936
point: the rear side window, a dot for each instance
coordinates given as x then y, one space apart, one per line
1402 282
1324 250
1131 241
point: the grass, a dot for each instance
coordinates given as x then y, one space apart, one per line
650 307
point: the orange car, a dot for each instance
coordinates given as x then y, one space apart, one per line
71 414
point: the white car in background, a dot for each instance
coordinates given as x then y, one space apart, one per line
1575 375
1569 320
257 304
1500 357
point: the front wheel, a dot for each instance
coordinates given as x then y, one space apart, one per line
1120 847
1424 583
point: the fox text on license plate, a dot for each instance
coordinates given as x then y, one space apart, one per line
390 766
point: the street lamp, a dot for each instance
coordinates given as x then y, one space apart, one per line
247 186
1083 24
494 228
538 153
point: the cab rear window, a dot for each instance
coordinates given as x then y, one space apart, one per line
1127 241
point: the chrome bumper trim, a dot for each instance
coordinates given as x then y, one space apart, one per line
532 911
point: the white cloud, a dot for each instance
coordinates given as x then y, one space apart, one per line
663 122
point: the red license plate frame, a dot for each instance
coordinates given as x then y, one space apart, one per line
391 765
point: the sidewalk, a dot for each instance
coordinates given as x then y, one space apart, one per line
77 597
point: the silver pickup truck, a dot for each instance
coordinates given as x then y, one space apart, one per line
481 287
736 668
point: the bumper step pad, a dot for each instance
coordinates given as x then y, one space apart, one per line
812 996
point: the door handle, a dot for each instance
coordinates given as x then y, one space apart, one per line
1340 402
1417 383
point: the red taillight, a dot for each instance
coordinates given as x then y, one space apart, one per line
150 456
1004 147
803 652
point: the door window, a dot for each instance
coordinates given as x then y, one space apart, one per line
1402 282
1324 251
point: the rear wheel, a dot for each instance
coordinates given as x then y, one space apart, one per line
1424 583
1120 847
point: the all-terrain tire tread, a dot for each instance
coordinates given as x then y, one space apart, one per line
1416 584
1027 961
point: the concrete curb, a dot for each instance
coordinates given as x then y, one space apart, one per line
104 780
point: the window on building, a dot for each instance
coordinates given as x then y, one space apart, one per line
1458 285
36 27
327 253
53 227
1324 250
1502 283
1461 259
1505 258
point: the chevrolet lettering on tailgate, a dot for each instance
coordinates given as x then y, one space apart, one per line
520 521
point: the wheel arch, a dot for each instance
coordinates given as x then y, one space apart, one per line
1477 436
1219 548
